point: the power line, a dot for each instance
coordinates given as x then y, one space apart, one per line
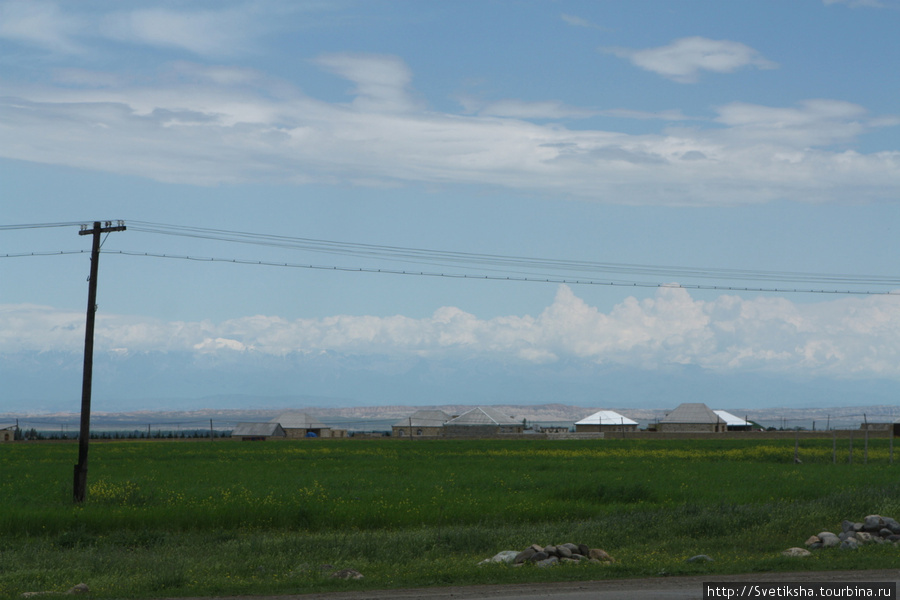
45 253
498 267
549 279
487 277
453 258
40 225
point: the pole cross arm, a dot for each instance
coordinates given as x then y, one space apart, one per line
102 227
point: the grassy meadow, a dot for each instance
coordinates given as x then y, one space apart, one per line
201 518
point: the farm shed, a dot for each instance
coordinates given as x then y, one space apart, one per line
894 427
301 425
257 432
692 417
7 433
422 423
732 422
482 421
552 429
605 420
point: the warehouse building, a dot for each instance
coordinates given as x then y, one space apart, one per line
299 425
422 423
7 433
692 417
732 422
482 421
258 432
605 421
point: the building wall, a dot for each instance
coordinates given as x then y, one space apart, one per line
296 434
691 427
878 426
7 435
480 430
325 432
417 431
603 428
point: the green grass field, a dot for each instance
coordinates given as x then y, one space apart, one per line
223 517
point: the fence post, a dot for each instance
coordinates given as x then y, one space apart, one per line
866 443
866 449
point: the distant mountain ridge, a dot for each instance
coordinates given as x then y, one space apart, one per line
360 416
51 382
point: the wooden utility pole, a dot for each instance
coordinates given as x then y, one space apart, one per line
84 433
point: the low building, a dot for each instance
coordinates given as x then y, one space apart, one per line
877 426
692 417
7 433
552 429
605 421
482 421
733 423
258 432
300 425
422 423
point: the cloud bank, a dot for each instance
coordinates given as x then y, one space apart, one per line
845 338
214 125
209 124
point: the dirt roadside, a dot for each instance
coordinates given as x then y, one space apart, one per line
610 589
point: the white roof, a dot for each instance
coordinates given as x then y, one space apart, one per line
606 417
731 420
483 415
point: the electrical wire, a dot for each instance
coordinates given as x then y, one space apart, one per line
486 277
549 279
494 266
452 258
40 225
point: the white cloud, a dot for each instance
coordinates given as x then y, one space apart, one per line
209 125
576 21
382 82
685 58
813 123
42 24
664 115
210 345
850 337
207 33
518 109
60 28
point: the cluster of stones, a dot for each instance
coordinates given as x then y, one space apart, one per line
342 574
547 556
874 529
81 588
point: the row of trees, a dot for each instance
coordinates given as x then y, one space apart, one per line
34 434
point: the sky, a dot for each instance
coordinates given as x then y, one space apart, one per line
608 203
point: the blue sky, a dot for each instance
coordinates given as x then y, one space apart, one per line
704 136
